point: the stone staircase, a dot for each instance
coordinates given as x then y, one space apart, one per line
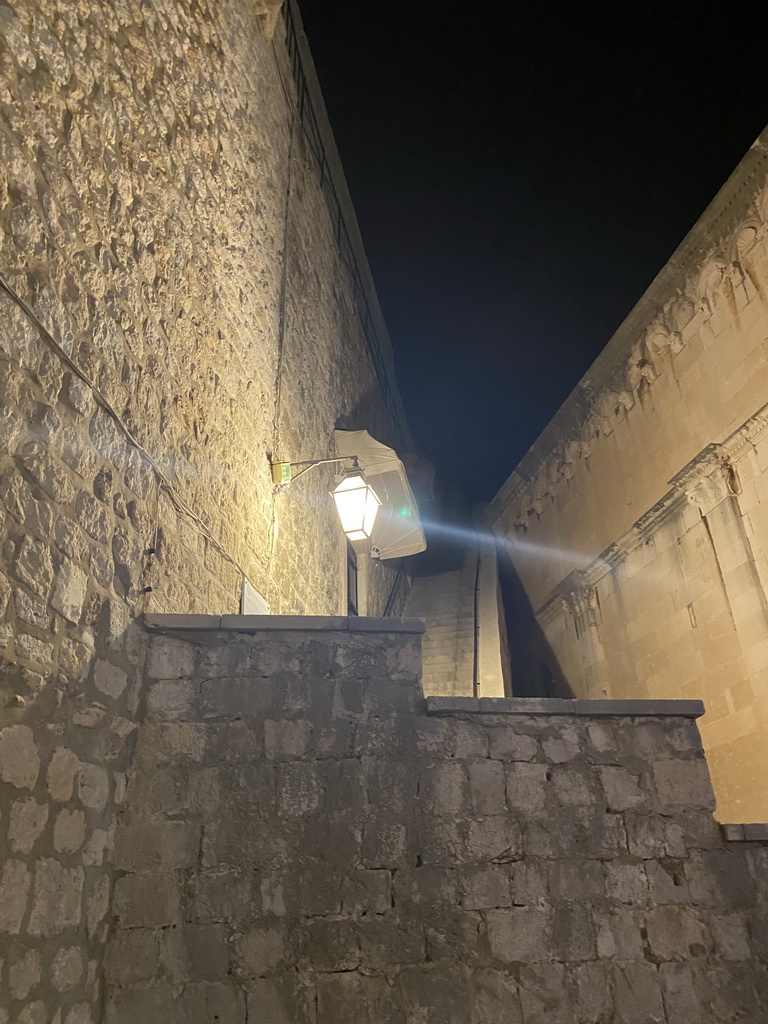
446 602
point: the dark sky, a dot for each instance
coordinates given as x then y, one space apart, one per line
521 171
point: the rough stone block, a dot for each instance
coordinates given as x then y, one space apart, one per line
109 679
485 888
169 658
626 882
519 934
24 973
33 565
720 878
573 932
287 740
592 998
262 949
678 991
622 789
167 844
93 786
67 969
601 739
15 883
650 835
384 843
493 838
445 788
667 882
529 882
171 699
132 956
19 759
277 1000
563 746
574 788
487 784
495 998
332 944
56 898
97 905
618 934
576 879
508 745
366 892
676 933
527 788
441 994
300 789
151 1004
68 831
638 994
202 1003
69 592
61 773
544 995
27 821
730 936
683 784
173 743
147 900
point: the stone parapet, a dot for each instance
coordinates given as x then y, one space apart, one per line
307 840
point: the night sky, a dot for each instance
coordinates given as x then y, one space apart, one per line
521 172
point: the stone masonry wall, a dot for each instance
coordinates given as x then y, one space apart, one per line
306 840
183 311
638 521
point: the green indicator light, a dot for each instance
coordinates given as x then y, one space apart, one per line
405 511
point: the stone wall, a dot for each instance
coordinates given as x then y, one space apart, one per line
638 522
305 840
176 307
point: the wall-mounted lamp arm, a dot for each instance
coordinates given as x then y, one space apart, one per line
282 472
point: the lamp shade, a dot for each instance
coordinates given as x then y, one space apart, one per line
357 504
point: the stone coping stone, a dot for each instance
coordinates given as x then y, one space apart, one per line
561 706
750 832
270 623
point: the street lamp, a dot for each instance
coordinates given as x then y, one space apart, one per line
357 504
356 501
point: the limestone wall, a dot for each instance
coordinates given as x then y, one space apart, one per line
305 840
638 522
180 304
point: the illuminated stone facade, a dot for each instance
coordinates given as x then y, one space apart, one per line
638 522
187 294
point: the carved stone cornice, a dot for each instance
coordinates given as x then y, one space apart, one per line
706 481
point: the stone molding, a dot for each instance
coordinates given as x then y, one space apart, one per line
750 832
562 706
166 623
708 480
686 290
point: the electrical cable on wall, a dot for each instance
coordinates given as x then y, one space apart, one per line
164 483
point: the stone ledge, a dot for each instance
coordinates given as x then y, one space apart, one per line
283 623
751 832
560 706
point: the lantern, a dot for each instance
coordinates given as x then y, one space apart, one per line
357 504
